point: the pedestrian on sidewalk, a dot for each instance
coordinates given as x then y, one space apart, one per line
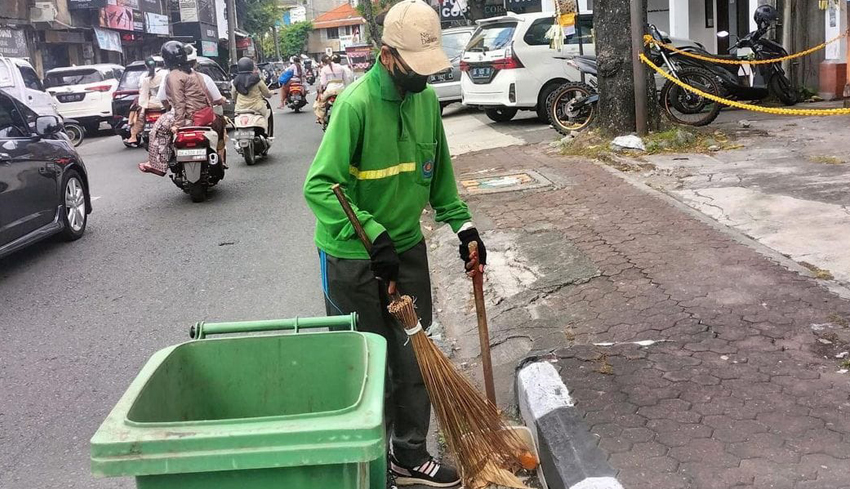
386 147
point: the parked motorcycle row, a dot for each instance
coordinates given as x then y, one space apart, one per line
573 105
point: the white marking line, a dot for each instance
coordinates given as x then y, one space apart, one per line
638 343
542 390
598 483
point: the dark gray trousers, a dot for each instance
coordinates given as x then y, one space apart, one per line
350 286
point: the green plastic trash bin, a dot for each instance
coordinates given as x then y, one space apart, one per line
277 411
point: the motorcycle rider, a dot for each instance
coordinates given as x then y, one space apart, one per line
294 74
251 92
148 88
184 92
333 78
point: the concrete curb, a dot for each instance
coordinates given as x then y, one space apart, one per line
570 457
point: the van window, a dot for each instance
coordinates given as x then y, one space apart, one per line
584 31
31 80
491 37
454 42
536 34
11 123
131 77
212 71
73 77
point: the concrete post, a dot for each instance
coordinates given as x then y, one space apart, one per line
231 29
847 56
680 22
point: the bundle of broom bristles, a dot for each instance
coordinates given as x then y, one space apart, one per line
486 449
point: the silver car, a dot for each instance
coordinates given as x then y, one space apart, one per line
447 83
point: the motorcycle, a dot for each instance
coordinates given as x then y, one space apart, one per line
253 135
573 105
731 81
151 116
195 165
329 103
297 97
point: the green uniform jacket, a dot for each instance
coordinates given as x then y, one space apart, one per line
390 155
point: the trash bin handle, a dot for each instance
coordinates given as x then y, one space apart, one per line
201 329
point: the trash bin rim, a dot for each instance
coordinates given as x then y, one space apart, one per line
261 419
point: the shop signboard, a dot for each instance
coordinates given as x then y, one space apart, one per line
108 40
86 4
209 48
117 17
138 21
156 23
13 42
188 10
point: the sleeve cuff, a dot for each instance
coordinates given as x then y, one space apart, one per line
373 229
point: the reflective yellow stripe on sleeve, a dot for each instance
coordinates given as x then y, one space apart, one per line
384 173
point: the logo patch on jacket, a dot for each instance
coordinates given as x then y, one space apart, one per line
428 169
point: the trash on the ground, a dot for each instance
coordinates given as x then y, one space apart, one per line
724 357
843 371
744 123
714 147
824 341
621 143
842 354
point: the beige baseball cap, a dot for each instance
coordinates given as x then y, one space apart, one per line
412 27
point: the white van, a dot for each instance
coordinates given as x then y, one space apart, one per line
19 79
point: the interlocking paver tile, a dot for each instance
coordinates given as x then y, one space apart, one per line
738 393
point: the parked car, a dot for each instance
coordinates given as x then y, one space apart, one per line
508 65
128 90
447 83
44 187
19 79
222 81
85 92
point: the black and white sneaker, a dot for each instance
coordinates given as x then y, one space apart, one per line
430 473
391 480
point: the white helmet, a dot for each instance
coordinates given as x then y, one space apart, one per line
191 53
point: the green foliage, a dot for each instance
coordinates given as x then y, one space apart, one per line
293 38
259 16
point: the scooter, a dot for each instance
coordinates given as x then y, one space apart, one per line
151 116
195 164
329 104
254 134
297 97
572 106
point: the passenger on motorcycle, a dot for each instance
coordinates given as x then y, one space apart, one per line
293 74
333 78
185 93
148 88
251 92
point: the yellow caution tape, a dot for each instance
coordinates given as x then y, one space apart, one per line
648 40
739 105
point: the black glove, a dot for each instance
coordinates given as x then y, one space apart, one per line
468 236
384 258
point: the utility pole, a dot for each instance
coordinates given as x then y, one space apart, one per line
276 42
231 29
637 15
847 60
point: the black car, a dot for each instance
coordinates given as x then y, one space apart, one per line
44 187
128 90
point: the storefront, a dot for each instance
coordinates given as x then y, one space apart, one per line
13 42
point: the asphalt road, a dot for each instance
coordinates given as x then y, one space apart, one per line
78 320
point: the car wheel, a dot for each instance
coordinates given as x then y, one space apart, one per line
542 114
502 114
74 209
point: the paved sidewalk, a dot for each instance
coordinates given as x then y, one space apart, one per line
736 381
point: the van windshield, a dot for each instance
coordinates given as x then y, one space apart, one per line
491 37
75 77
130 78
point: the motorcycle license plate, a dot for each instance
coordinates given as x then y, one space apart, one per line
244 134
191 154
148 127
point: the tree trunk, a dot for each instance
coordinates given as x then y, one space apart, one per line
611 20
808 29
374 33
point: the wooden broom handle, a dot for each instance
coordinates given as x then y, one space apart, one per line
483 330
358 228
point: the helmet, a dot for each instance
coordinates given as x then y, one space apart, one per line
296 59
191 53
173 54
245 65
150 63
765 15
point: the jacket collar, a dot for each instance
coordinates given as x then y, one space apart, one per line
388 88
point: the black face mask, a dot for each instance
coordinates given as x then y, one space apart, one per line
409 82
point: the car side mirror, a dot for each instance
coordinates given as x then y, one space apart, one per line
47 125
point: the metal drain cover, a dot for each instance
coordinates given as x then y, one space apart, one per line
505 182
